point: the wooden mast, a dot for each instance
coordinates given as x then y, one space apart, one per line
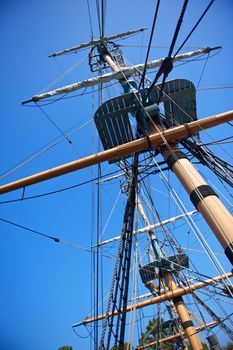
179 304
204 198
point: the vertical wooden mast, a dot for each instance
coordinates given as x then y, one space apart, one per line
203 197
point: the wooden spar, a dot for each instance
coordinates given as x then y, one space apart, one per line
150 227
175 336
96 42
166 296
116 75
178 302
157 139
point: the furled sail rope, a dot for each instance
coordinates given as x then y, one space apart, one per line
215 87
108 77
199 251
152 226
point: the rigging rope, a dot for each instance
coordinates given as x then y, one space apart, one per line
54 124
202 16
222 325
167 64
55 239
57 191
90 20
203 69
149 45
98 16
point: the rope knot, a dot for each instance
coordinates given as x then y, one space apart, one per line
166 66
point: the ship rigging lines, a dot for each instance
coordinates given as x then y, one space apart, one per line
140 130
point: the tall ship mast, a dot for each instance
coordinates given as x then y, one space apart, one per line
150 272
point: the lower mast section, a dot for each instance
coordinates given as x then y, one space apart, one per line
178 302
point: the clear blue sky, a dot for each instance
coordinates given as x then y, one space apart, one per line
45 286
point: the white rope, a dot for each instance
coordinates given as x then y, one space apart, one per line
45 149
64 74
110 215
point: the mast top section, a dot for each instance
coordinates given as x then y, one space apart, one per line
97 41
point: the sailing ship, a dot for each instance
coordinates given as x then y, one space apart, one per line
152 255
